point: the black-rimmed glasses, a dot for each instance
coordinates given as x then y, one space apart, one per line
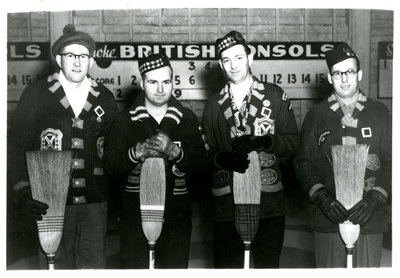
70 57
349 74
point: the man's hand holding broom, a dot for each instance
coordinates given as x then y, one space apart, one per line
330 206
361 212
31 209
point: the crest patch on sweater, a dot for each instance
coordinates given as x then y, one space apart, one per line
177 172
264 126
373 162
322 137
266 159
99 112
100 147
366 132
268 176
51 139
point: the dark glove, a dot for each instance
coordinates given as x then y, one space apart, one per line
361 212
330 207
248 143
161 142
233 161
142 151
29 207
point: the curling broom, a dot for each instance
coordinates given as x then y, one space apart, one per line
49 175
152 201
349 162
247 196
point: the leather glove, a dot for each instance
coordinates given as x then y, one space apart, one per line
232 161
142 151
161 142
330 207
361 212
247 143
30 208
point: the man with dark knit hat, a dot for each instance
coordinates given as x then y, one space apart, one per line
346 117
245 116
67 111
155 125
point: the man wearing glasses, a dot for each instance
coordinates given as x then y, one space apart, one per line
346 117
67 111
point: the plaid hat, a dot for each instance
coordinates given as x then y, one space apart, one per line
231 39
71 36
153 61
340 53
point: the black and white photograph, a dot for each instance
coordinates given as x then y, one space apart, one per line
199 136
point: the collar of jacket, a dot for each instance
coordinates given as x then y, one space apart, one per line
56 89
334 105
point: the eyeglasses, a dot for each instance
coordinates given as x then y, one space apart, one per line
338 74
71 57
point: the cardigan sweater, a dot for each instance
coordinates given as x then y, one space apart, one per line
270 114
44 120
136 125
324 126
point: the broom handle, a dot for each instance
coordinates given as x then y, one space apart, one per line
246 255
151 254
349 255
50 260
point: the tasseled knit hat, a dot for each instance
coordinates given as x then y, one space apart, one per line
71 36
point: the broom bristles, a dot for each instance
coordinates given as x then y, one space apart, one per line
49 175
247 186
152 197
349 163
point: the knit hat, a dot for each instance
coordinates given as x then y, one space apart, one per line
340 53
71 36
152 62
231 39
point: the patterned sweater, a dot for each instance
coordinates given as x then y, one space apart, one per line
45 120
324 126
270 113
136 125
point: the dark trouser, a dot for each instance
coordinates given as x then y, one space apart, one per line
83 240
171 250
265 249
330 250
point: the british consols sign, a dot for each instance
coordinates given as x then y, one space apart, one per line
298 67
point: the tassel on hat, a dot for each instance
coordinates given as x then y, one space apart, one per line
71 36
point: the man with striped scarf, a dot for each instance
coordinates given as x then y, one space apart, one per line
156 125
346 117
245 116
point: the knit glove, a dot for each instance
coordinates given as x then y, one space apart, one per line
330 207
161 142
248 143
361 212
30 208
232 161
142 152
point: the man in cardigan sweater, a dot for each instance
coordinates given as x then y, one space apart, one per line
68 111
247 115
347 117
156 125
